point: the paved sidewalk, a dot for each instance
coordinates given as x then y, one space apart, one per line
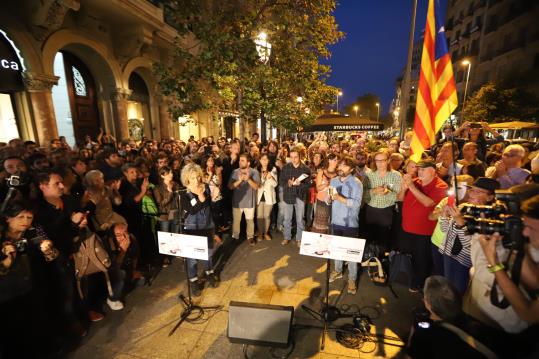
267 273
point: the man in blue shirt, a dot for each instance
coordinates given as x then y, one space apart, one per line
346 192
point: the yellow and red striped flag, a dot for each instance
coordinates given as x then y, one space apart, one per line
437 93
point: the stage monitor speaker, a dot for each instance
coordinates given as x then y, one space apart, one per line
260 324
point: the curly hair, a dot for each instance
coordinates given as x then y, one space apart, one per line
188 170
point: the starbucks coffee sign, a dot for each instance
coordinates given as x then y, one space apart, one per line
10 66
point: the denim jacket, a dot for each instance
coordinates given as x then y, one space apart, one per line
347 214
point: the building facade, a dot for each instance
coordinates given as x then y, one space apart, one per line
499 38
77 67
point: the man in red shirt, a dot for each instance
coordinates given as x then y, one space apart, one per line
419 197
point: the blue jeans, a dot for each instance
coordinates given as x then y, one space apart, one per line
299 206
456 273
192 272
352 266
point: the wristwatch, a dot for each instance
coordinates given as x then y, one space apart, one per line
494 268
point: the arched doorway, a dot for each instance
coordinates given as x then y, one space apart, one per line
74 99
138 108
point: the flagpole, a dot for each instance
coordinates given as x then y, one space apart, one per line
407 74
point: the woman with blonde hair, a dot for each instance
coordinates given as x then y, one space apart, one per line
196 203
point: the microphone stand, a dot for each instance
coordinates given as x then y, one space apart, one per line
189 308
329 313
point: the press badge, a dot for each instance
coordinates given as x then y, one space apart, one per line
193 202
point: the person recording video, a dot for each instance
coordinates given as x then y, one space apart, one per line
196 203
489 255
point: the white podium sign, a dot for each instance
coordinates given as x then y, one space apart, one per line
333 247
183 245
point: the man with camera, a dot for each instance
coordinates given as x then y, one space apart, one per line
489 257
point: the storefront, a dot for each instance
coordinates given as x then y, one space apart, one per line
338 123
11 86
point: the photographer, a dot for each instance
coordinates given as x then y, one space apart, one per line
456 246
476 133
487 256
26 263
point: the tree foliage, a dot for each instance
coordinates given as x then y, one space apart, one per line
493 102
216 65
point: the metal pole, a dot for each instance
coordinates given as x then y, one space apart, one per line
337 103
407 74
465 92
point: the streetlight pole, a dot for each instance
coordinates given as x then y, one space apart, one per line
356 107
338 95
378 111
263 47
469 64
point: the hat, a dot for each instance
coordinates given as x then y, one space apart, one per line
489 184
426 163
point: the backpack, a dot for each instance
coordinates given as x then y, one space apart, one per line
400 268
91 258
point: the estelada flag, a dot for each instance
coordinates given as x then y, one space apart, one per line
437 93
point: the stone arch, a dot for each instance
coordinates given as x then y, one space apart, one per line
95 55
142 66
103 67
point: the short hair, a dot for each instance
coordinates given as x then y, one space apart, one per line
349 161
381 151
188 170
16 207
442 297
468 144
91 176
128 166
517 148
43 177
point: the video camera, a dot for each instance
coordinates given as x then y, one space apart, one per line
503 216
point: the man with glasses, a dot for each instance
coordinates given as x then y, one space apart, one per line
508 170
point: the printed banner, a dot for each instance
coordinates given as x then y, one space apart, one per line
333 247
183 245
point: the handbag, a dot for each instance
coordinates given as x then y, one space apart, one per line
91 258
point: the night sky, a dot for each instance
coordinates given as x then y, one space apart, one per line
373 53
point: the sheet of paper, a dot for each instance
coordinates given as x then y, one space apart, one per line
183 245
333 247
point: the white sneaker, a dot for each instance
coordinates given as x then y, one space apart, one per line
115 304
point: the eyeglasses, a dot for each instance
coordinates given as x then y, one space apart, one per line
380 160
509 154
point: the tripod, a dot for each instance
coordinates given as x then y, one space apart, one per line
190 312
328 313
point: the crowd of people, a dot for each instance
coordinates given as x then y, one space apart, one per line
79 223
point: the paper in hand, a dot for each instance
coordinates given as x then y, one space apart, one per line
301 178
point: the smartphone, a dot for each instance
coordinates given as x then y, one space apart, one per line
424 325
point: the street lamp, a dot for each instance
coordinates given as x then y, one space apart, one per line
469 64
338 95
378 111
263 47
356 107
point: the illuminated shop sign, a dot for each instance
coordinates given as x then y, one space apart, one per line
11 65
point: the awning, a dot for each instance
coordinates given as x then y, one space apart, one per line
332 122
10 67
514 125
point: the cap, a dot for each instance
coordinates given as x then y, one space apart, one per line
489 184
426 163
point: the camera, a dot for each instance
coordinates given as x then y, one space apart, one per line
503 216
16 180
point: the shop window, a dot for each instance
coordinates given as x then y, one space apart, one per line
8 123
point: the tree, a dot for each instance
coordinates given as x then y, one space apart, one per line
366 106
216 64
494 102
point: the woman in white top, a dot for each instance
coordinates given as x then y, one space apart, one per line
265 196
